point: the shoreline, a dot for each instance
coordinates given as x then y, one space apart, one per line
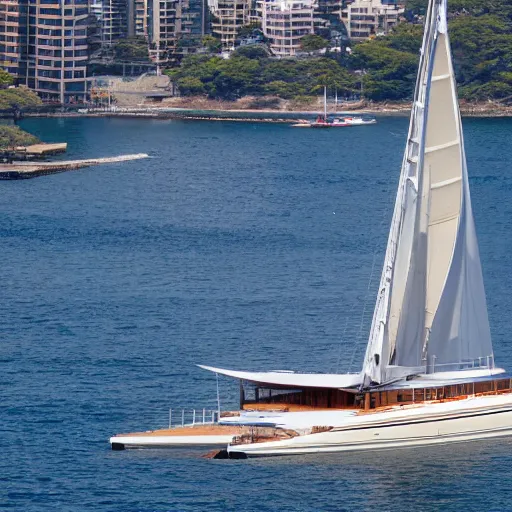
257 115
260 109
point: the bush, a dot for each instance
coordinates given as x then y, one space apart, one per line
266 102
131 49
190 86
251 51
20 97
12 136
313 43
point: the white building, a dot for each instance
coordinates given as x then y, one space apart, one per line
367 18
228 17
285 23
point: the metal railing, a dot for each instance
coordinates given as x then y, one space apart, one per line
183 417
481 363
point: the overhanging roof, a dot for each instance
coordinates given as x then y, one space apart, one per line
292 379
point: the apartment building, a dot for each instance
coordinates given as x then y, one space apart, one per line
175 27
112 18
228 16
13 37
367 18
139 15
194 24
44 44
285 23
163 25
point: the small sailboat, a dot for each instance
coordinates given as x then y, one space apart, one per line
322 121
428 375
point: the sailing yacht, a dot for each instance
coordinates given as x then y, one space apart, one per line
322 121
428 375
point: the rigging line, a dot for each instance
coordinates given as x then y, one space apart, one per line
218 397
343 337
376 251
374 237
361 323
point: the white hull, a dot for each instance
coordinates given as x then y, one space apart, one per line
478 418
142 441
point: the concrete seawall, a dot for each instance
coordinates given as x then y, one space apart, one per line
25 170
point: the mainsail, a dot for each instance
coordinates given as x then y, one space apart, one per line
431 312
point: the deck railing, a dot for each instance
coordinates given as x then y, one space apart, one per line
182 417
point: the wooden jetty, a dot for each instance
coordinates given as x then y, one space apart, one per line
42 150
32 152
25 170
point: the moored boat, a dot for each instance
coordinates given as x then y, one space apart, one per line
356 120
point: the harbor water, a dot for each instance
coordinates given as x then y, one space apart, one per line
240 245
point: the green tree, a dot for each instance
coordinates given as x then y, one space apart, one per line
131 49
212 44
13 136
238 77
282 89
190 86
18 98
389 73
313 43
252 51
416 6
6 79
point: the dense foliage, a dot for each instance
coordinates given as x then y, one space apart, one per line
384 68
6 79
18 98
12 136
312 43
131 49
240 76
389 64
211 43
481 37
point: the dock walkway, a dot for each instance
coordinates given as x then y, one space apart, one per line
25 170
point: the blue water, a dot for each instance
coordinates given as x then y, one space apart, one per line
240 245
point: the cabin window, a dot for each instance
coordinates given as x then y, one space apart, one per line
252 393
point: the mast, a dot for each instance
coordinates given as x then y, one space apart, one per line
325 103
431 301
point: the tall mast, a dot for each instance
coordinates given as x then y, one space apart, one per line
325 102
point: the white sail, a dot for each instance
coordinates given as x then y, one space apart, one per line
431 310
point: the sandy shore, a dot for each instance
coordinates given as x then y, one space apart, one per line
276 106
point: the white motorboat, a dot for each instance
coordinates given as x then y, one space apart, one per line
355 120
428 375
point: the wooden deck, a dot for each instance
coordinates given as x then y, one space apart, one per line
199 435
282 407
45 149
196 430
